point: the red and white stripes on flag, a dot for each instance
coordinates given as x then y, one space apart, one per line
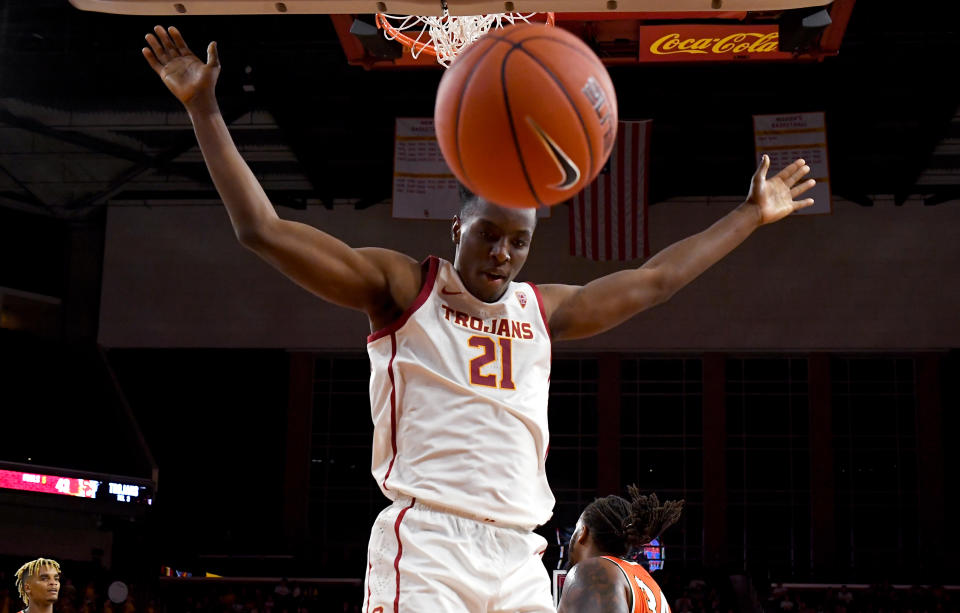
608 219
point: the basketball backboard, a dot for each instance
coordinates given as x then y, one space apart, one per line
622 32
427 7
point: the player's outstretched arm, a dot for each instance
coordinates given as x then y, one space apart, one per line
578 312
370 280
595 586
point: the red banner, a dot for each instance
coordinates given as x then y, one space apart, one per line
709 43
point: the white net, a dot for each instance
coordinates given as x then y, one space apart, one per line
445 35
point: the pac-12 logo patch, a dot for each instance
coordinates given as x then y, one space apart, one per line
522 299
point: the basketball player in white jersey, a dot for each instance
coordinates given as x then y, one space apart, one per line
461 362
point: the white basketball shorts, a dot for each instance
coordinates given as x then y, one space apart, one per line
423 560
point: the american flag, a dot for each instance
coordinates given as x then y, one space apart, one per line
608 219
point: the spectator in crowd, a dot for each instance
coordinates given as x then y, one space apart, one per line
845 596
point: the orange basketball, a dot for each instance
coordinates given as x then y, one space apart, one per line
526 116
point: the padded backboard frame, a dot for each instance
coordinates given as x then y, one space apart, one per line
427 7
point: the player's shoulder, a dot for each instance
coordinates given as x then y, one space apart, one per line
557 289
397 267
638 571
387 257
597 570
555 294
595 580
402 277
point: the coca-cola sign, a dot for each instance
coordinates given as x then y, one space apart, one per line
693 43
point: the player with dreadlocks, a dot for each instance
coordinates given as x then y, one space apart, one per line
601 581
38 582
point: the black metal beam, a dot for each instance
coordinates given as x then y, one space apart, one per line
98 145
73 137
234 110
29 197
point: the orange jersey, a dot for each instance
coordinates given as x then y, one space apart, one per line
647 596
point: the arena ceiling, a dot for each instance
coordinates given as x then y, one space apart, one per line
84 121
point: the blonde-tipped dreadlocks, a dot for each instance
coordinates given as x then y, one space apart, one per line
30 569
617 524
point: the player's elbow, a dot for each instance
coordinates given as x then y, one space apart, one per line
252 236
658 287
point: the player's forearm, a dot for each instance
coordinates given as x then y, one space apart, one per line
684 261
246 202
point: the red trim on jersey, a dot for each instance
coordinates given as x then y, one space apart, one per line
543 316
543 312
369 570
396 562
393 408
395 325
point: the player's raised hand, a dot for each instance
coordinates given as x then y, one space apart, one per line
184 74
775 198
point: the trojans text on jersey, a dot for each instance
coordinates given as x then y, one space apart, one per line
501 327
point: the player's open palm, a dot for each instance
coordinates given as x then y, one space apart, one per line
182 72
775 197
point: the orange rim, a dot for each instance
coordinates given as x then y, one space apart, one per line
418 47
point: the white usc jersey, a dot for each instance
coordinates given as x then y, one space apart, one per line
458 395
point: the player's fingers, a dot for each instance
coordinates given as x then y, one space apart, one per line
157 48
761 174
213 56
797 175
168 46
802 204
789 170
802 187
179 42
152 59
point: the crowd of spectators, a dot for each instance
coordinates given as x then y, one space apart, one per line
699 593
74 599
84 593
261 597
878 598
79 595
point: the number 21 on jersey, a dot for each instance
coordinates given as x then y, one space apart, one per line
505 362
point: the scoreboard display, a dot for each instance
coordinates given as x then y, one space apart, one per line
69 483
650 556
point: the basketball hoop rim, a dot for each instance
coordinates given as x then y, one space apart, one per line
417 47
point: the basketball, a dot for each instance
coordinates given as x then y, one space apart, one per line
526 116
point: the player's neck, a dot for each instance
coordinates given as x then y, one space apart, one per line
39 608
595 552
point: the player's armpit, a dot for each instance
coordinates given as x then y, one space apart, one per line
604 303
594 586
369 280
405 277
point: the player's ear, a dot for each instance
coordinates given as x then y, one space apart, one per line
584 532
455 230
